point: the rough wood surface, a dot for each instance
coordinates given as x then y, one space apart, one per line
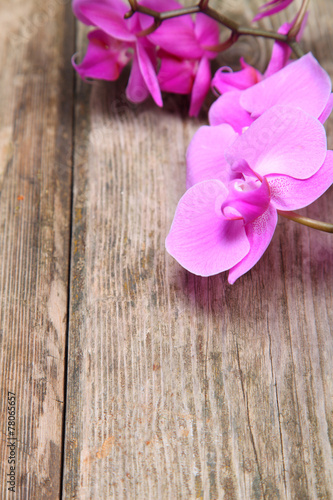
178 387
186 387
36 99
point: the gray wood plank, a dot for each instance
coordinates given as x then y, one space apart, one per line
36 97
179 386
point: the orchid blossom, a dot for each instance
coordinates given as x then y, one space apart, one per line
113 44
238 183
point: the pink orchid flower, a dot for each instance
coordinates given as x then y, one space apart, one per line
113 44
303 83
272 7
185 67
237 184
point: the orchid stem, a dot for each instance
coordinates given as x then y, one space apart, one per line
293 32
315 224
235 28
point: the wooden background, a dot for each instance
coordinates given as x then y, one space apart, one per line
133 378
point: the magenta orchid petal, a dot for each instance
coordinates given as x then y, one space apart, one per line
226 80
109 20
259 233
136 90
148 73
200 238
281 51
207 33
304 83
161 6
176 75
77 5
284 140
201 86
178 39
270 8
327 111
205 155
105 57
227 109
288 193
250 199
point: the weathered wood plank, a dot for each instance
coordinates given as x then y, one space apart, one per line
36 95
179 386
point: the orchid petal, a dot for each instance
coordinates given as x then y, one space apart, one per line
284 140
105 57
327 111
226 109
281 51
201 86
201 239
205 155
171 30
148 73
112 5
162 6
136 90
248 199
259 233
303 83
110 21
207 33
226 80
292 194
175 75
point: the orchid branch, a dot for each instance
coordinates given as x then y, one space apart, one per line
315 224
236 29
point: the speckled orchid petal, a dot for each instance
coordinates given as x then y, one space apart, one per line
288 193
205 155
250 199
200 238
284 140
259 234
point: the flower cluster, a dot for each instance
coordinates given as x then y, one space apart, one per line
264 153
158 62
183 66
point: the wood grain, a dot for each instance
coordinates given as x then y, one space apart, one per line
179 386
36 99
